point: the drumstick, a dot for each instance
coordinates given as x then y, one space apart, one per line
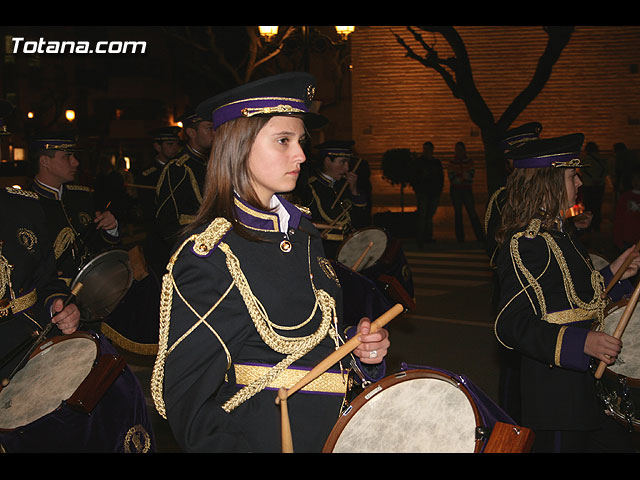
361 258
620 271
287 440
622 324
343 350
345 184
41 337
133 185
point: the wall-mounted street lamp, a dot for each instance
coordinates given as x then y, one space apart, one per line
307 40
70 115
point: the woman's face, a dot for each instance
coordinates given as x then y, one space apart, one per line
572 183
276 156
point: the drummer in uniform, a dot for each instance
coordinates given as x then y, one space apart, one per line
551 304
514 138
167 145
333 196
31 294
252 302
179 190
76 228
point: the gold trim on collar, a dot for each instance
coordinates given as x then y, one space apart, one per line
264 216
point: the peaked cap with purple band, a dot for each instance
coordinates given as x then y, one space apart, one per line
284 94
518 136
549 152
336 148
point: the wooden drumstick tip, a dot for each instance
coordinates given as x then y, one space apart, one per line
282 395
5 382
77 288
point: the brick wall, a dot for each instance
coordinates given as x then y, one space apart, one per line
398 103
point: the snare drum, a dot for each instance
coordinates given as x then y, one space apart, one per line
105 281
75 394
375 254
361 297
416 411
620 384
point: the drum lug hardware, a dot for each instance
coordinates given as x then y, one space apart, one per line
482 433
373 392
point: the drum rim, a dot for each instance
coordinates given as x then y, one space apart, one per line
125 257
612 307
94 260
359 231
46 345
391 380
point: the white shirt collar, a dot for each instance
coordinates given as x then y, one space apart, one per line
276 206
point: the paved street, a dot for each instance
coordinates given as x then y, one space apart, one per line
452 325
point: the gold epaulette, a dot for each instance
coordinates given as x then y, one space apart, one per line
79 188
204 242
24 193
305 210
180 161
149 171
533 228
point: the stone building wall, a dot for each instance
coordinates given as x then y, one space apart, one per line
399 103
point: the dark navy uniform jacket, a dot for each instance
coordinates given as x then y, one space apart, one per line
550 299
179 192
32 281
219 283
69 218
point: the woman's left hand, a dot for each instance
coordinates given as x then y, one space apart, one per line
633 267
374 346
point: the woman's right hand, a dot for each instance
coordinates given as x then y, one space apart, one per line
602 346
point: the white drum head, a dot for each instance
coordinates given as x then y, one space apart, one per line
628 362
48 379
420 415
353 247
598 261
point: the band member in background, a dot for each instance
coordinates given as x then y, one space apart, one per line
250 300
551 304
180 187
31 294
77 228
166 143
333 195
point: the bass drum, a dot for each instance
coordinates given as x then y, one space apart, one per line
420 410
620 383
75 394
375 254
106 279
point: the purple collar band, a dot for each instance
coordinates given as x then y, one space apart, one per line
257 106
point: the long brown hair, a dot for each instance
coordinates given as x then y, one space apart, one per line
228 170
532 193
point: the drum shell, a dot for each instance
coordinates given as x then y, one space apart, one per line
484 411
361 297
119 422
387 266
